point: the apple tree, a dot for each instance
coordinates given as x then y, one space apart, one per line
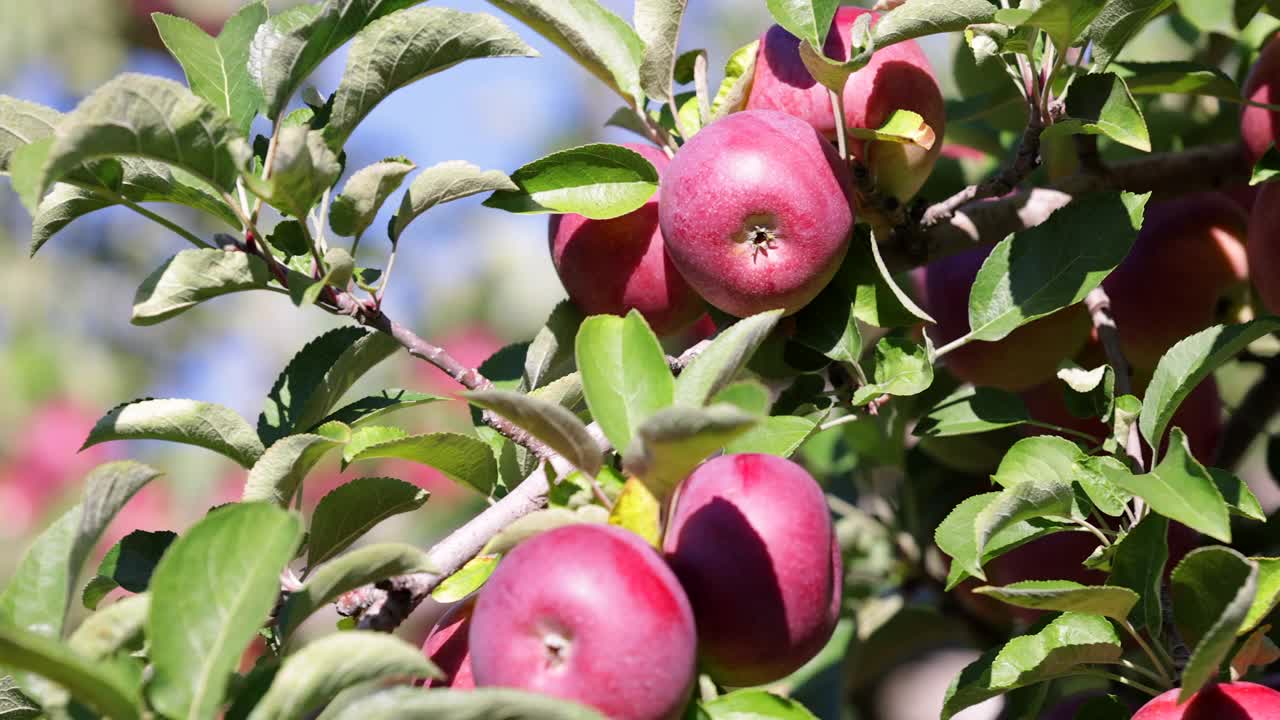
846 363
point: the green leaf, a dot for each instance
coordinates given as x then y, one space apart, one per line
539 522
739 70
955 536
554 425
1213 589
442 183
21 123
190 422
108 488
142 116
318 376
304 168
1180 488
217 69
364 566
593 36
625 377
1103 105
1189 362
35 598
1070 640
638 510
1118 22
1053 265
752 704
111 629
971 410
1182 78
405 703
278 474
779 435
312 676
1268 595
828 325
354 209
1063 20
657 23
193 276
339 268
901 300
720 362
211 592
407 46
1035 458
903 127
13 704
1066 596
1266 169
917 18
550 355
1045 496
1104 494
367 436
1210 16
1138 564
598 181
1239 498
674 441
105 687
353 509
292 45
462 458
902 368
368 409
466 580
808 20
833 74
129 564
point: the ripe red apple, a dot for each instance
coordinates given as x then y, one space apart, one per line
1228 701
1027 357
755 212
1185 272
1264 246
897 78
1260 127
610 267
588 613
448 648
751 540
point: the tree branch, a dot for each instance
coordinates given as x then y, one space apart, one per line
1099 306
1006 181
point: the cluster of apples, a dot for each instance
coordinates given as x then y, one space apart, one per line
746 588
754 212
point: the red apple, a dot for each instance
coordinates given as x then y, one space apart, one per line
755 212
610 267
1264 246
588 613
897 78
1181 275
1027 357
447 647
1259 127
1228 701
751 540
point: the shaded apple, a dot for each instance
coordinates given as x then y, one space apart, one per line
898 77
1264 247
1260 127
588 613
1227 701
755 212
610 267
447 646
1186 271
1026 357
751 540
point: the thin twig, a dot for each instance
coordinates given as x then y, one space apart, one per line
1025 161
1099 306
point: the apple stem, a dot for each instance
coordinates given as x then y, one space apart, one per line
1122 680
837 107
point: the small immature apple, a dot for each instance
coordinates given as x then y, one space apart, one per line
1260 127
610 267
1228 701
1185 272
751 540
1026 357
1264 247
897 78
447 647
589 613
755 212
